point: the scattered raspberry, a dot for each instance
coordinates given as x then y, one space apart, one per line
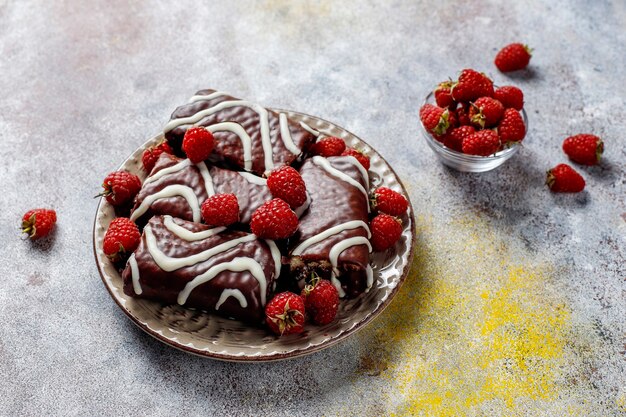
389 202
121 239
220 210
198 144
120 187
321 301
454 140
434 119
330 146
513 57
482 143
38 223
386 231
274 220
472 85
360 156
287 184
486 112
284 314
512 128
151 155
510 96
585 149
563 179
443 94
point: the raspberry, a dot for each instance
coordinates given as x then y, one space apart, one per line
462 115
151 155
284 314
513 57
198 144
443 94
220 210
386 231
274 219
287 184
120 187
121 239
454 140
389 202
510 96
563 179
360 156
434 119
38 223
482 143
472 85
486 112
321 301
330 146
511 128
585 149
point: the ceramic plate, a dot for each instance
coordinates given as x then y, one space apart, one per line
220 338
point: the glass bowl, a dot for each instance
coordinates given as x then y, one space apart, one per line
464 162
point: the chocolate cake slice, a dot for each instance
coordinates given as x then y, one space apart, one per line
333 235
248 136
228 272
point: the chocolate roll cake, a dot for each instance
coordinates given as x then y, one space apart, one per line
333 236
228 272
248 136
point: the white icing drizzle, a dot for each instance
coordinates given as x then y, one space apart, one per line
170 191
334 257
353 224
206 176
285 134
253 179
188 235
275 256
309 129
236 265
134 271
359 167
300 210
263 119
207 96
325 164
246 141
370 277
169 170
169 264
230 292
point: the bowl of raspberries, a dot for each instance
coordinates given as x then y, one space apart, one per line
472 125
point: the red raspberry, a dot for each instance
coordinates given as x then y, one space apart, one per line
360 156
482 143
454 140
389 202
330 146
220 210
120 187
274 219
443 95
284 314
513 57
563 179
151 155
121 239
462 115
287 184
472 85
511 128
434 119
321 301
510 96
386 231
486 112
38 223
198 144
585 149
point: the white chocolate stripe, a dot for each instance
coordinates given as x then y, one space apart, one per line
309 129
169 170
188 235
236 265
325 164
253 179
285 135
246 141
275 256
353 224
230 292
370 277
207 96
170 191
300 210
359 167
134 271
169 264
206 176
334 257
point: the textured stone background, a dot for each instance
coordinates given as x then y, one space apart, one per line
516 304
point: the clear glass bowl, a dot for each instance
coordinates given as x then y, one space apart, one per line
464 162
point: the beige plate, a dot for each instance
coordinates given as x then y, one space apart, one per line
216 337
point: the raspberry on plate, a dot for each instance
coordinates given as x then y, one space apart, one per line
152 154
39 222
386 231
120 187
287 184
220 210
486 112
434 119
360 156
472 85
321 301
284 314
513 57
389 202
329 146
274 220
510 96
584 148
198 144
563 179
482 143
512 128
122 238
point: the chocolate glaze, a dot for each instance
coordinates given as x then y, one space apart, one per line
228 147
249 195
163 286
